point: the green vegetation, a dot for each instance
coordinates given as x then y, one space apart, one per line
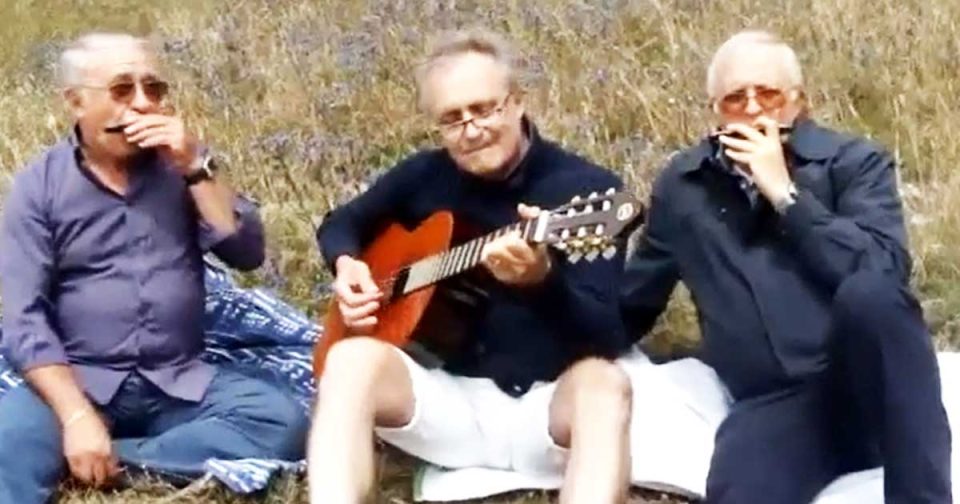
307 98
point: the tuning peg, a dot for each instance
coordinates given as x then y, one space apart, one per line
609 252
599 230
611 191
592 255
565 235
606 206
593 195
581 232
571 212
560 245
575 199
575 257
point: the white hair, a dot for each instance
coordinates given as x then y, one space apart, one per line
475 40
76 59
733 45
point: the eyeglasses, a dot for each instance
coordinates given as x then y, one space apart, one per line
482 115
124 91
767 98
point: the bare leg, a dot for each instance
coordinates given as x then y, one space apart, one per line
590 414
365 383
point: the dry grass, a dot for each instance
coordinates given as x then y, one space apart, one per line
308 97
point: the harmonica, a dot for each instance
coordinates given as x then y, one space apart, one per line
785 130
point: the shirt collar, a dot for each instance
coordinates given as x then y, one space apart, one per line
520 174
75 141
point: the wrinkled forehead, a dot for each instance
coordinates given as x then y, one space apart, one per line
459 81
752 65
108 63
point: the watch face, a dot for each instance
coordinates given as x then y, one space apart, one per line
210 165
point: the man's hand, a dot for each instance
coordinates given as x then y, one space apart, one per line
167 134
762 153
358 296
89 451
512 260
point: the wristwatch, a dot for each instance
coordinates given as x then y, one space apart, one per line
783 204
204 170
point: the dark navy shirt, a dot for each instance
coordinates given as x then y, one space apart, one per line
110 283
522 335
763 283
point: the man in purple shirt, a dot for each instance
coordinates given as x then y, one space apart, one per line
102 275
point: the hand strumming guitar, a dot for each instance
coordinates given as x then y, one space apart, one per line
358 296
512 260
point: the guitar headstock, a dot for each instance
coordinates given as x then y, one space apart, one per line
587 227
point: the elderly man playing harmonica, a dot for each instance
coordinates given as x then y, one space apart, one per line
103 293
794 249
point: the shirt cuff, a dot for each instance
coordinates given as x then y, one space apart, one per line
802 215
244 247
34 352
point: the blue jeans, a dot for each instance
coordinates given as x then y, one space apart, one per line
239 417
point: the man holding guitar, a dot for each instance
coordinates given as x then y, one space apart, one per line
531 389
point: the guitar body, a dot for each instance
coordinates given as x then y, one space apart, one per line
393 249
436 301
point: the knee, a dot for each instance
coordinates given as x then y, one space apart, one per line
29 432
356 356
867 294
875 305
601 387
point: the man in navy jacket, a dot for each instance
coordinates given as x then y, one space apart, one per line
794 249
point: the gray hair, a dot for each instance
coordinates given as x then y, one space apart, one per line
474 40
788 60
76 59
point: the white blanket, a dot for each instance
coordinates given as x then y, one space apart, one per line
678 407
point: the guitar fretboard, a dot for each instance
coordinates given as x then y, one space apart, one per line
437 267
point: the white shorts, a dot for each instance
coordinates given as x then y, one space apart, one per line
463 422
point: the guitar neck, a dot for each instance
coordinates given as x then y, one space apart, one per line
438 267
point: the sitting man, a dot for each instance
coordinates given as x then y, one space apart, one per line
792 243
531 391
103 293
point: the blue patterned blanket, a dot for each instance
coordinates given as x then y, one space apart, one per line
252 329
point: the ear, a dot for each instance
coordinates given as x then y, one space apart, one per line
74 100
520 103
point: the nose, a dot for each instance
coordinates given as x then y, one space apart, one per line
471 131
753 108
139 102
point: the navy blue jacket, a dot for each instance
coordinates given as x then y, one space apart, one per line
524 334
763 283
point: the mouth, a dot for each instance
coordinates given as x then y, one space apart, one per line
116 128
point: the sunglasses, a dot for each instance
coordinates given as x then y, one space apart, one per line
767 98
125 90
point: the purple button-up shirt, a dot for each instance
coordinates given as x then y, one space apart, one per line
111 284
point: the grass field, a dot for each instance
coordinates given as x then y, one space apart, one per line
306 98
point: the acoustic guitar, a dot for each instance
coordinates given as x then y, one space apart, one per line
408 266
